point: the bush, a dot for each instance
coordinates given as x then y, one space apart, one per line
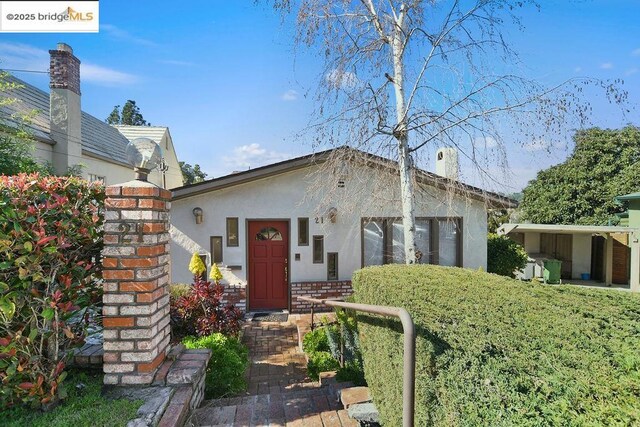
496 351
50 243
504 256
321 361
315 340
200 312
229 359
177 290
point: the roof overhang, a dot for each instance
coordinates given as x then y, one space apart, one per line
563 229
493 200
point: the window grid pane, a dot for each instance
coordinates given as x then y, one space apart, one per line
332 266
448 242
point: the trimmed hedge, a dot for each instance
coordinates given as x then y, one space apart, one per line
496 351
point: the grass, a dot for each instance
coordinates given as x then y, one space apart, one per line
84 406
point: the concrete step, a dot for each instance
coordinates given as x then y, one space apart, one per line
354 395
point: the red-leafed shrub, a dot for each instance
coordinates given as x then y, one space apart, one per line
50 242
200 312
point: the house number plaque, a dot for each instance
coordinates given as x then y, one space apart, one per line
319 220
126 228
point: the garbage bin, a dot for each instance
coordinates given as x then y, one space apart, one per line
552 268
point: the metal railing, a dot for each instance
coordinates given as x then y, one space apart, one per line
409 353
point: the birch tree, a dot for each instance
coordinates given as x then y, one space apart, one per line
404 77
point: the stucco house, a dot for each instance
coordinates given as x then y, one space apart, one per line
66 136
303 226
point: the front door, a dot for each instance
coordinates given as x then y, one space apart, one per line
268 265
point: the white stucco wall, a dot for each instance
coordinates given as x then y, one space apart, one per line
296 194
532 243
581 255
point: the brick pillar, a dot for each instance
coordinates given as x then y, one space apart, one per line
136 282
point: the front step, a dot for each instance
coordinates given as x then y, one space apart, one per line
307 403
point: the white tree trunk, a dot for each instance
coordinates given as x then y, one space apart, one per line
404 161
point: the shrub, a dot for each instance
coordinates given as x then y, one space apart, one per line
229 359
496 351
50 243
200 312
321 361
504 256
177 290
315 340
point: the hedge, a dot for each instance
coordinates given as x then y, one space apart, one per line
495 351
50 242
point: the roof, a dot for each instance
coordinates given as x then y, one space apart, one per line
98 137
626 197
132 132
560 228
493 199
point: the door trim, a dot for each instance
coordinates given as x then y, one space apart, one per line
246 255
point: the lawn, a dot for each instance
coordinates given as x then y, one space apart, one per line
84 406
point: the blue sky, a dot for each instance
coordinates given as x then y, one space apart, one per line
224 77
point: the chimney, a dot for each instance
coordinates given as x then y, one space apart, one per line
64 108
447 163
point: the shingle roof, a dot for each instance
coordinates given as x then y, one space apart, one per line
97 136
494 200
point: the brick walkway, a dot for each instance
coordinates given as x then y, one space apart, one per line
279 393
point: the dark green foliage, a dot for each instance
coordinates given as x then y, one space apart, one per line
495 351
129 115
84 406
351 372
229 360
604 164
192 174
504 256
315 340
321 361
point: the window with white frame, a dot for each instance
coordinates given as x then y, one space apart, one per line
438 241
97 178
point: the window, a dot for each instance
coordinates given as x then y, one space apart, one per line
269 233
332 266
303 231
216 249
232 232
97 178
383 241
318 249
448 242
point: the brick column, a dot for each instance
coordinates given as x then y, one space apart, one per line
136 282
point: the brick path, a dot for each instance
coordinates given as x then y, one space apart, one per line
279 393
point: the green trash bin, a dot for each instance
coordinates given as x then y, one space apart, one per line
552 268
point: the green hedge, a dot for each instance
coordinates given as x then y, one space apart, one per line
504 256
495 351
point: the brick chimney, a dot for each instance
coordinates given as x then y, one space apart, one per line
64 108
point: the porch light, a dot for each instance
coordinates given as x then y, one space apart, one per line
197 212
144 155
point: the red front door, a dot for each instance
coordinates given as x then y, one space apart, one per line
268 264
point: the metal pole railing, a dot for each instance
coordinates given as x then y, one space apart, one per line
409 356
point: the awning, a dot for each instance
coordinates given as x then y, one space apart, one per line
560 228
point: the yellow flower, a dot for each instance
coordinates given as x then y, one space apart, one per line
215 275
196 266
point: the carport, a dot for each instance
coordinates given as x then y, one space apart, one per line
608 254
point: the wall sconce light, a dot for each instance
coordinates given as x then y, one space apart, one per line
332 213
197 212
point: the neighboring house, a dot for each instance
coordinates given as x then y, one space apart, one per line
303 226
602 253
66 136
